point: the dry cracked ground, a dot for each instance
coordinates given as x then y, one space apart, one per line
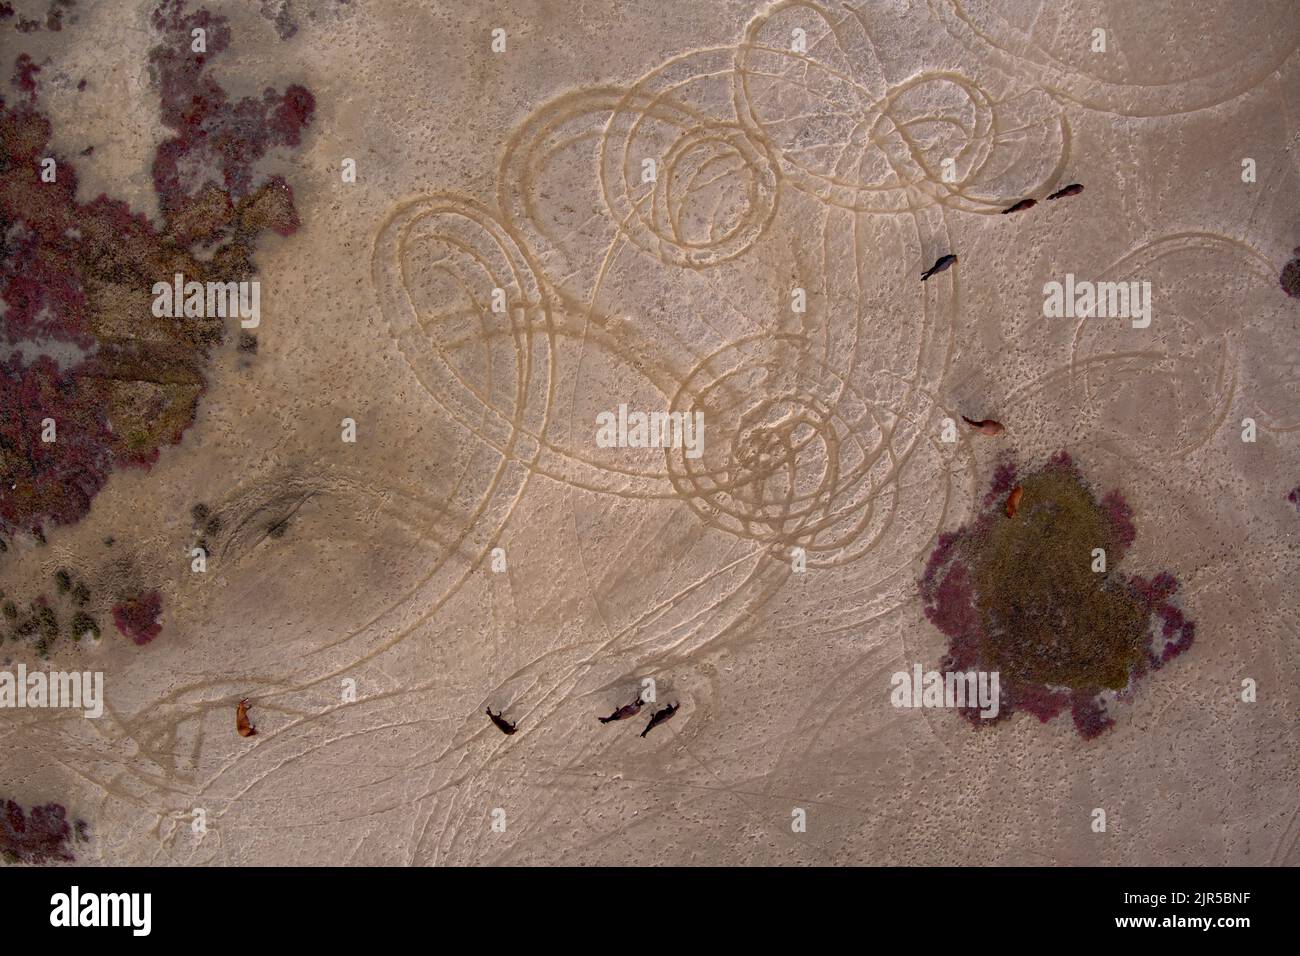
405 485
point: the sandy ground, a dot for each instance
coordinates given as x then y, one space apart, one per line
823 171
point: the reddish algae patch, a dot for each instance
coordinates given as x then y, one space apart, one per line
1019 595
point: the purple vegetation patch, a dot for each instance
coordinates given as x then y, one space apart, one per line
1026 597
80 344
56 480
43 835
137 617
24 78
215 137
1290 277
280 13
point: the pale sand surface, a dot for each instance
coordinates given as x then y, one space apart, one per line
476 430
